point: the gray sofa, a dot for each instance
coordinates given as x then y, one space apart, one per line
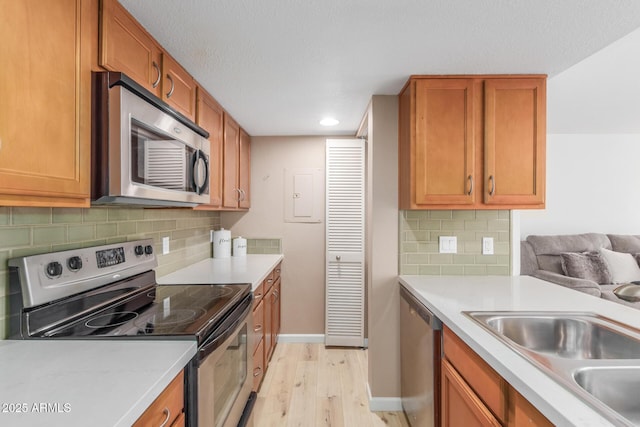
542 257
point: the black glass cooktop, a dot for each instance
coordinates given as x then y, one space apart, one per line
169 310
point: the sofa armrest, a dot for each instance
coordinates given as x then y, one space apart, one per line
582 285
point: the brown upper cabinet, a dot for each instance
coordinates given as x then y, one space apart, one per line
236 154
210 117
127 47
244 169
45 113
472 142
178 87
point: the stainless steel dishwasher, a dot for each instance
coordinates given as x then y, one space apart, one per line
420 350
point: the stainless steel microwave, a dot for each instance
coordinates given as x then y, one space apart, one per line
143 151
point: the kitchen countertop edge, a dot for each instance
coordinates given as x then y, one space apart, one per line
252 269
445 297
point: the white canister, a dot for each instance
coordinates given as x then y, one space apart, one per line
222 243
239 246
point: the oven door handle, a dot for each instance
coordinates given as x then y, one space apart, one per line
228 328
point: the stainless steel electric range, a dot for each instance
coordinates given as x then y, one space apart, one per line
110 292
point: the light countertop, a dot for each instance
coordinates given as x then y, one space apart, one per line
219 271
85 382
448 296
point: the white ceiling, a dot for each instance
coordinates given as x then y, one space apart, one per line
279 66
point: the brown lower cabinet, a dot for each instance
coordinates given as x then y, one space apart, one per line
473 394
266 323
168 408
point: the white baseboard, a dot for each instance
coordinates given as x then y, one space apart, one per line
308 338
376 404
301 338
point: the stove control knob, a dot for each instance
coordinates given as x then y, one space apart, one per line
53 269
148 249
74 263
139 250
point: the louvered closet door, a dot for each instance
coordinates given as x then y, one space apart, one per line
345 243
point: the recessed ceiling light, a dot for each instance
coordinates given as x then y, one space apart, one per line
329 121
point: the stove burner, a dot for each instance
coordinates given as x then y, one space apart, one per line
212 291
111 319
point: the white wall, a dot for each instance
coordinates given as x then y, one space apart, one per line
593 185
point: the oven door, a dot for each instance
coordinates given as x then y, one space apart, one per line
223 374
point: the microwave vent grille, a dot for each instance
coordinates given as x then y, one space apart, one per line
164 165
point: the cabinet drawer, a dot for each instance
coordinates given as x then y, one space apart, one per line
258 365
167 407
485 382
258 324
258 294
276 272
268 282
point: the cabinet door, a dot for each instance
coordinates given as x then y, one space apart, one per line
515 141
244 170
444 142
178 87
210 116
231 141
460 405
275 313
258 325
167 407
524 414
268 326
45 106
258 366
127 47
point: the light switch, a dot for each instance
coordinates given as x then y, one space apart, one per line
165 245
487 246
448 244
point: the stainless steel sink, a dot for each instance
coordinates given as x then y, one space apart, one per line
574 336
596 358
616 387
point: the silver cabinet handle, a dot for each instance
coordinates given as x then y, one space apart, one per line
338 257
157 82
173 86
167 412
257 296
257 371
257 328
242 194
239 194
470 185
493 185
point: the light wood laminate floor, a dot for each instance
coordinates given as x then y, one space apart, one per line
309 385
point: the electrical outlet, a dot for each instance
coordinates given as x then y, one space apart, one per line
165 245
487 246
448 244
211 236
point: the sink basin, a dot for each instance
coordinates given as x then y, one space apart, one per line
573 336
595 358
616 387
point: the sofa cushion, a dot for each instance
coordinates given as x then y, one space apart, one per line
549 248
587 265
622 266
625 243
